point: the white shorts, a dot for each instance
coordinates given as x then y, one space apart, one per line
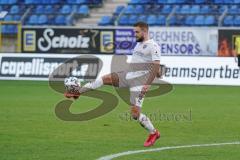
136 82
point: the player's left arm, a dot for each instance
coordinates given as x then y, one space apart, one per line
155 65
153 71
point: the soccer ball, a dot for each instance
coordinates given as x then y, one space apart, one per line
72 84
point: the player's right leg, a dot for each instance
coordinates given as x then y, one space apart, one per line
137 94
109 79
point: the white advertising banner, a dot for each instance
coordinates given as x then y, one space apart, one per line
186 41
180 70
202 70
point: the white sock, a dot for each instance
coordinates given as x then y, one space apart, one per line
91 85
146 123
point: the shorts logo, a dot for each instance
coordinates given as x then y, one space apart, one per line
106 42
29 41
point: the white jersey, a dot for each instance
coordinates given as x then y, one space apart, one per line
144 52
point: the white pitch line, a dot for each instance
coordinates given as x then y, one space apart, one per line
112 156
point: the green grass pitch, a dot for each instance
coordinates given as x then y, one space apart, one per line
30 130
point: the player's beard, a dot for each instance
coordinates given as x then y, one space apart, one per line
140 39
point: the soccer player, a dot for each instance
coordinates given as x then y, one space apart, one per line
144 67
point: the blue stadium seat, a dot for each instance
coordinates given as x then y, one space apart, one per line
237 1
185 9
181 20
33 20
15 9
12 1
16 18
29 1
123 20
221 9
162 1
161 20
149 9
106 20
166 9
172 1
201 1
49 9
43 19
4 29
156 9
139 9
71 1
12 29
234 9
195 9
9 29
44 1
118 10
189 20
228 1
39 2
129 10
206 9
132 19
142 18
152 20
55 1
218 1
144 1
181 1
3 1
40 9
199 20
83 10
236 21
60 20
66 9
173 21
178 8
210 21
228 21
81 1
8 18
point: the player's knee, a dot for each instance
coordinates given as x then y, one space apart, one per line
107 80
111 79
135 112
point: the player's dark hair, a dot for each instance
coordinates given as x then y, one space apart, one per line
142 25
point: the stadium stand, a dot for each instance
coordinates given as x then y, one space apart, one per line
155 12
177 13
45 12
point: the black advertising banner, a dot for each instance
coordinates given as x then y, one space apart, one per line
228 42
67 40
